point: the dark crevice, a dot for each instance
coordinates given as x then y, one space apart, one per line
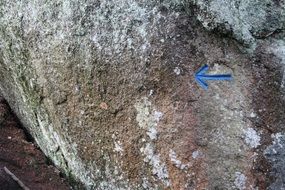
20 154
12 116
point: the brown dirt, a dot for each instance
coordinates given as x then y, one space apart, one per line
23 158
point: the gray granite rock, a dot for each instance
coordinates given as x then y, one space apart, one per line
245 20
107 89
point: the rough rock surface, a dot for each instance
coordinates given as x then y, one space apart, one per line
245 20
106 88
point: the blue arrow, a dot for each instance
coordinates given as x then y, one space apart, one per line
200 76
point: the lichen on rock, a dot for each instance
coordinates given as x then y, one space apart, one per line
107 89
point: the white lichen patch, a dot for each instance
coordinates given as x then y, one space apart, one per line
176 161
150 93
118 147
157 115
177 71
252 138
277 139
152 133
148 118
196 154
252 115
240 181
158 167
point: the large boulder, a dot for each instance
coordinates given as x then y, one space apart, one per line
107 90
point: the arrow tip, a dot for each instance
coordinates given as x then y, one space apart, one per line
199 79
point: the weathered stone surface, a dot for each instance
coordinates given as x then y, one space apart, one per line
107 90
244 20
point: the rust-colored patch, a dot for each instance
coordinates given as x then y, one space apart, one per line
104 106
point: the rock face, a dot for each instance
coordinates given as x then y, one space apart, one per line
107 90
244 20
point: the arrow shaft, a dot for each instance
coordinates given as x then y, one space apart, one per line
216 77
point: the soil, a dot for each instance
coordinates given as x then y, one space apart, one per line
23 158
